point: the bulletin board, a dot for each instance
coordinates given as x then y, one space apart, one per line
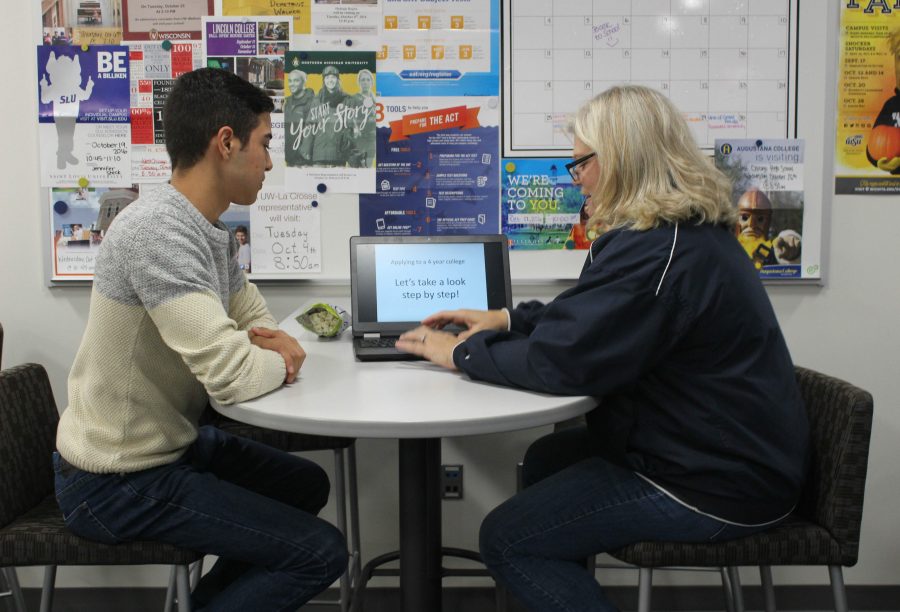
428 62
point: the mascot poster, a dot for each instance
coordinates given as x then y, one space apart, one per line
867 149
84 116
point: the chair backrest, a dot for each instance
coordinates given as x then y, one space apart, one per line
840 419
28 419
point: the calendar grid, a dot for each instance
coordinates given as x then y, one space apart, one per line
725 64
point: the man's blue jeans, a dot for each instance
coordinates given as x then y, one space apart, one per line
575 505
252 505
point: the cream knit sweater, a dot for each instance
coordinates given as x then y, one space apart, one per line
167 329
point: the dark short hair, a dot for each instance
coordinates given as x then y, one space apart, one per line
200 104
241 228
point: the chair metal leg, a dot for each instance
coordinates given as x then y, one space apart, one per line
765 579
837 588
15 591
727 589
170 591
183 588
340 501
645 578
736 590
196 572
47 589
354 515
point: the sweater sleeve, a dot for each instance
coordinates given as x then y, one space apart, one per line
248 308
177 287
590 340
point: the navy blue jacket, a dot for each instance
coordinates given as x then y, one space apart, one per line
673 333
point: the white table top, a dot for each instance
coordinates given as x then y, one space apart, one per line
339 396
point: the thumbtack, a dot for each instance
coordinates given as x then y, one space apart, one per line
510 167
167 44
85 47
315 203
83 182
321 188
60 207
759 143
348 42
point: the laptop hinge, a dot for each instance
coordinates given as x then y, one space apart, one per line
372 335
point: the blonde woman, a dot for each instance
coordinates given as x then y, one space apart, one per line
699 433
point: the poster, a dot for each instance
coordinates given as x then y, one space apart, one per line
540 207
254 48
330 122
297 9
437 170
80 218
83 115
154 68
867 148
767 179
436 48
81 22
155 20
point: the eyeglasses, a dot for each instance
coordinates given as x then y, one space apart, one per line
574 166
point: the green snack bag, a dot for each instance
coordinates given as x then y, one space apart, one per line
325 320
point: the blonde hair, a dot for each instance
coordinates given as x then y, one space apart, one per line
650 168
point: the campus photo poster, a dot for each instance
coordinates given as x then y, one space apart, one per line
330 121
540 207
81 22
767 190
80 217
299 10
867 146
84 115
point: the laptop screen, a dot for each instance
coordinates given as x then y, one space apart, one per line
397 281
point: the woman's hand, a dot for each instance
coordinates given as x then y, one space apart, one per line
435 346
282 343
473 320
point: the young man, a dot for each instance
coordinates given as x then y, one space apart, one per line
173 322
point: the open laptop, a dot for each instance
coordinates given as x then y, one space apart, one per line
396 281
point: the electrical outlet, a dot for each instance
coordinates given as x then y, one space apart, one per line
452 481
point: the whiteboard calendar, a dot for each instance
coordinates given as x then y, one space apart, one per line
729 65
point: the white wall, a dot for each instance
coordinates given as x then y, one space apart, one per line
846 328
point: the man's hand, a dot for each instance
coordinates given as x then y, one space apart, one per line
473 320
282 343
435 346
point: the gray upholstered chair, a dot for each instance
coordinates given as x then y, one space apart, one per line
344 450
824 528
32 531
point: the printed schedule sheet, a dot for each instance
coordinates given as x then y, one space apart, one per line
728 65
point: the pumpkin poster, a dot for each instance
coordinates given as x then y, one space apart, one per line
867 148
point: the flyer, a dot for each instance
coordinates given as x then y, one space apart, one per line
437 48
154 68
342 23
330 122
155 20
80 218
254 48
81 22
285 234
540 207
83 115
767 179
298 9
437 169
867 146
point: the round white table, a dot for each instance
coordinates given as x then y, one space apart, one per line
414 401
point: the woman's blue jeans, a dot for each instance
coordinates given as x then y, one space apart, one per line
252 505
575 505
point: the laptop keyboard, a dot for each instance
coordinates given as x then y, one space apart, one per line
377 342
